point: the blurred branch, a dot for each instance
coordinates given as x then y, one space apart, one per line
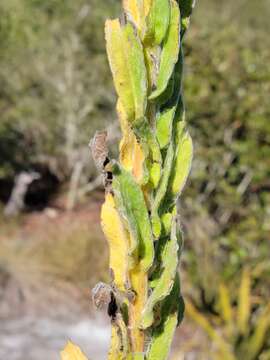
16 202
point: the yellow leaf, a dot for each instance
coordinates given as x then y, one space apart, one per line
223 347
118 240
258 338
127 64
243 310
138 279
147 5
225 304
113 34
114 352
72 352
131 156
137 10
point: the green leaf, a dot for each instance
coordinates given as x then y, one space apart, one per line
166 220
168 93
167 124
155 174
165 119
169 261
132 207
163 335
157 22
164 127
126 60
183 162
170 51
161 191
183 159
137 356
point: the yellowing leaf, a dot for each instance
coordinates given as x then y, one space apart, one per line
225 304
223 347
243 310
131 156
135 11
115 346
259 336
147 5
151 148
138 279
118 240
72 352
126 60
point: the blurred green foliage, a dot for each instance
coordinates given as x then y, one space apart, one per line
239 326
227 89
55 82
56 90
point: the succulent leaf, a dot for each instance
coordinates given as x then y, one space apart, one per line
169 259
157 22
135 13
131 154
118 239
132 206
165 120
164 127
126 60
170 52
163 334
161 191
182 162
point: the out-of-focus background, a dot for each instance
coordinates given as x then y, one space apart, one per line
56 91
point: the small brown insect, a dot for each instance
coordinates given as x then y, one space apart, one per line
99 149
